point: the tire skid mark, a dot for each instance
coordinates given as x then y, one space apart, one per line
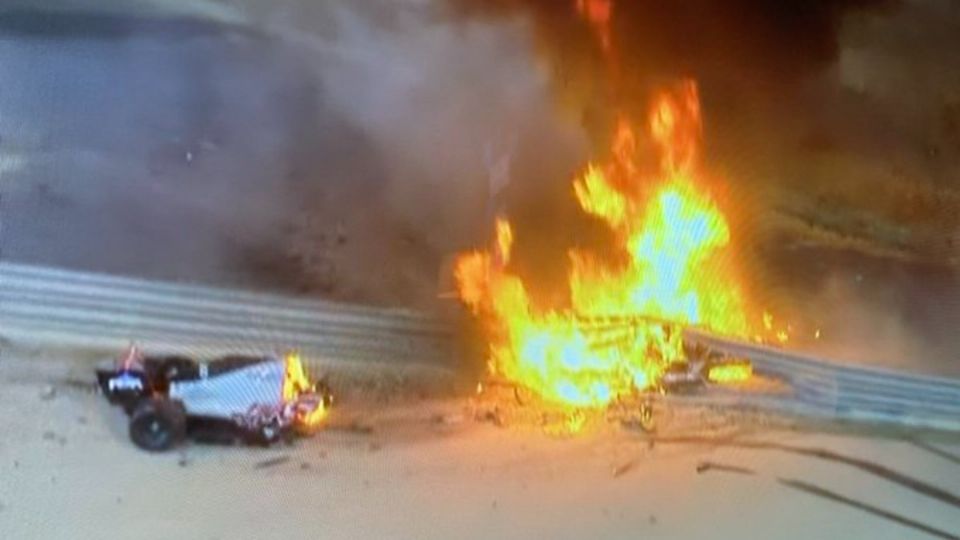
949 456
869 467
813 489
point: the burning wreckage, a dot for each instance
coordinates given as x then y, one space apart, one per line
621 336
667 313
254 399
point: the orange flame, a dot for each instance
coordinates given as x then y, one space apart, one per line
670 231
296 383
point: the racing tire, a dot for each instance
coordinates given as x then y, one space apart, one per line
157 425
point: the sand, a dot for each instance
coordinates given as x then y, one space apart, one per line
69 471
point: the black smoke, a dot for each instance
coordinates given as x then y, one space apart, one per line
740 52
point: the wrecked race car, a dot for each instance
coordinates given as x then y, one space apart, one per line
251 399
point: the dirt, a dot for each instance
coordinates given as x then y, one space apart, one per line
470 479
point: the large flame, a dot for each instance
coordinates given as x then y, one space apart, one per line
672 235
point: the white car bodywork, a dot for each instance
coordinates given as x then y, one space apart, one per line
233 393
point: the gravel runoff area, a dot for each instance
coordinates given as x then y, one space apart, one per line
423 467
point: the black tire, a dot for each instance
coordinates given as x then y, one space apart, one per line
158 425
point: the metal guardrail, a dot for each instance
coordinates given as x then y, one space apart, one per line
84 309
830 390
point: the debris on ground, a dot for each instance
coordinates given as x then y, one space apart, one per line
272 462
706 466
624 468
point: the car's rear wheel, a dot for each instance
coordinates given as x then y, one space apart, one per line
158 424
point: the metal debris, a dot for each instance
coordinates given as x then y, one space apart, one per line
705 466
624 468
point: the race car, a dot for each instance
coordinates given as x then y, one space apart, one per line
253 399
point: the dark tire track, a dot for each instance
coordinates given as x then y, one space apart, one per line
818 491
866 466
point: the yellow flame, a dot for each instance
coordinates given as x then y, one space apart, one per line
295 383
668 229
504 240
773 332
730 373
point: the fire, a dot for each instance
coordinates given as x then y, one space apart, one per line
671 234
778 333
295 384
730 373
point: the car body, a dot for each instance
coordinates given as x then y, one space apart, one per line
254 399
